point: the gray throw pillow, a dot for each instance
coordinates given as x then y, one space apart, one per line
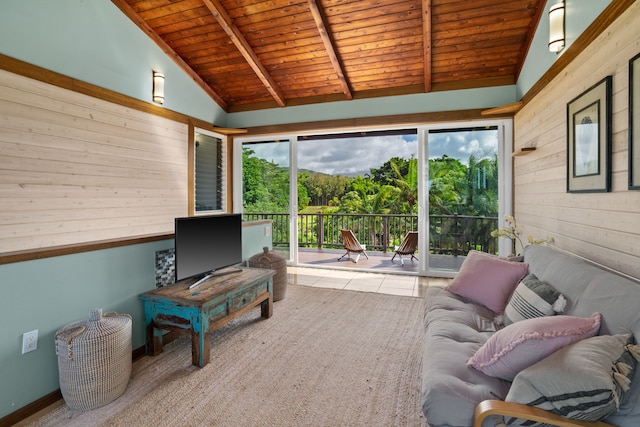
584 381
533 298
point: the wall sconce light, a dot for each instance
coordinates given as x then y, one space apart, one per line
158 87
556 27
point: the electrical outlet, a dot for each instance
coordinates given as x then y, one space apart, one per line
267 231
29 341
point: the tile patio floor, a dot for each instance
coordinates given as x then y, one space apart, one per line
394 284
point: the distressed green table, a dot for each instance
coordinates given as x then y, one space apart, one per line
204 308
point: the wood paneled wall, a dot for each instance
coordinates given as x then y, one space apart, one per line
604 227
77 169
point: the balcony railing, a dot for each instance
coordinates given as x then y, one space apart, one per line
448 234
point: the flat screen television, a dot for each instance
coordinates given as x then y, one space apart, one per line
206 244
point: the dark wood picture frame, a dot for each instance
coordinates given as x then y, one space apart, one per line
634 123
589 139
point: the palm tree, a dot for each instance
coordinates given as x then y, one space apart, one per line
407 184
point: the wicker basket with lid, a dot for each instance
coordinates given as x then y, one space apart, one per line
94 359
272 261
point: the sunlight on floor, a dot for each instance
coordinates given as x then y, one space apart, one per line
360 281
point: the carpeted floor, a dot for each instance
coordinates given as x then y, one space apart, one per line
327 357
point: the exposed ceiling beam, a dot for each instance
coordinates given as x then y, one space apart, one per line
329 47
131 14
218 11
426 42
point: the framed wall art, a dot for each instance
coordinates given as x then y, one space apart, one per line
634 123
589 140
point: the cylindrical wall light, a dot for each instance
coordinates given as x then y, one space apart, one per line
158 87
556 27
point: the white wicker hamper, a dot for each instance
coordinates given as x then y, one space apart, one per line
94 359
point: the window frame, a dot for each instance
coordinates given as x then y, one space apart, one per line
505 145
194 130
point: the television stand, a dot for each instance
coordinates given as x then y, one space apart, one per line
204 309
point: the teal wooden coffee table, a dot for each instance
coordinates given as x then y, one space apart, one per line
205 308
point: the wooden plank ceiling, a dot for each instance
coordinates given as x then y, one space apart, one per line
254 54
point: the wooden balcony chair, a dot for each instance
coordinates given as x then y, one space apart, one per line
352 245
408 247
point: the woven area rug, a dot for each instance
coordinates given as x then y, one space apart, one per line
327 357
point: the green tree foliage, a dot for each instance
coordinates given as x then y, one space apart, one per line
482 187
447 186
406 181
303 195
454 188
265 185
323 188
390 170
397 182
464 190
367 196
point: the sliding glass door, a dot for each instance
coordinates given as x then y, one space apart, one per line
365 182
464 195
266 190
450 184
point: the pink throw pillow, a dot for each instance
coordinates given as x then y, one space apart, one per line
487 280
524 343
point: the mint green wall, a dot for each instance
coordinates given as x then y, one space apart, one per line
579 14
93 41
406 104
50 293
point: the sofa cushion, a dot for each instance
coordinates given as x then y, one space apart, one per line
454 330
585 380
487 280
533 298
521 344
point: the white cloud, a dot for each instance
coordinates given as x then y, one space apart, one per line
352 156
461 145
